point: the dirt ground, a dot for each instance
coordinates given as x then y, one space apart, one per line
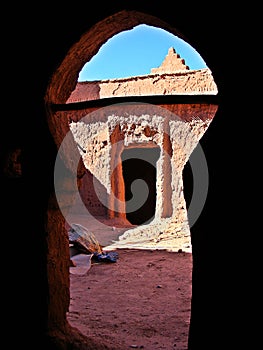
141 301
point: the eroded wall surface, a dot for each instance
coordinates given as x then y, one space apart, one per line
173 77
101 135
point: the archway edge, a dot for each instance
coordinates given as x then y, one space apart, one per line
65 78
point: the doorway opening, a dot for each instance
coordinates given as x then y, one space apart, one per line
140 163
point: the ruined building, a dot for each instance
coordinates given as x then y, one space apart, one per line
154 141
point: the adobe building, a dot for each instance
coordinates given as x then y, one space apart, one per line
138 145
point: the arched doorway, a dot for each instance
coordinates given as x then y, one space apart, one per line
61 86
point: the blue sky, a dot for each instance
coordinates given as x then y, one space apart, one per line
135 52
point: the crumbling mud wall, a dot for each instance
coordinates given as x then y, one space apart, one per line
102 135
171 78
